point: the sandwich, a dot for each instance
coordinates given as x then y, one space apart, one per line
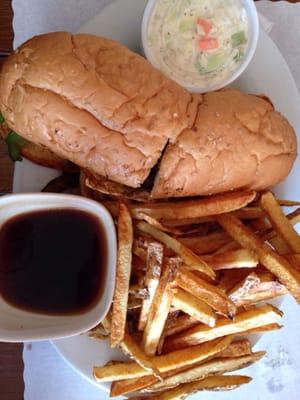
93 102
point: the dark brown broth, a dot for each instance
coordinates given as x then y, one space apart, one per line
53 261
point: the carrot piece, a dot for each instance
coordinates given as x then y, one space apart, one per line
205 24
208 43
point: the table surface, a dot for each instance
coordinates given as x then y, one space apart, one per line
11 364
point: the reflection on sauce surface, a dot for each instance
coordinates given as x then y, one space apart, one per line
53 261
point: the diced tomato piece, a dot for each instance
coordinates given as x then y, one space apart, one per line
208 43
205 25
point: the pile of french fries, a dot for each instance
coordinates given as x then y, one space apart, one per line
193 278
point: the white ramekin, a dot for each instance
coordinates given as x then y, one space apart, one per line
17 325
252 43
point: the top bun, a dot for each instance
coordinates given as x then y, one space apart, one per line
96 103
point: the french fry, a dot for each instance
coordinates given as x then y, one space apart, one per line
231 277
275 263
169 305
164 363
249 213
279 221
205 244
132 349
252 290
171 321
206 292
260 330
293 217
133 303
213 367
279 245
240 258
102 331
294 260
131 377
157 224
260 224
155 253
106 322
182 323
288 203
237 348
194 307
138 291
200 229
213 205
160 307
187 255
124 258
212 383
244 321
98 332
230 246
246 213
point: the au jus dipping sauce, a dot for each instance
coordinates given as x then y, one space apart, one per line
53 261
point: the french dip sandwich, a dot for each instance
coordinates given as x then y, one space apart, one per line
95 103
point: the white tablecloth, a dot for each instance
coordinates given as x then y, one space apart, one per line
46 375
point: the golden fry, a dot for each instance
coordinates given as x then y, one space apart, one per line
213 367
231 277
132 349
206 292
237 348
164 363
293 217
187 255
212 383
157 224
254 318
288 203
240 258
261 329
98 332
124 258
279 245
194 307
294 260
170 322
275 263
155 252
182 323
252 290
280 222
247 213
209 206
206 244
132 385
159 309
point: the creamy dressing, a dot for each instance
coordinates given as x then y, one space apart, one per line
198 42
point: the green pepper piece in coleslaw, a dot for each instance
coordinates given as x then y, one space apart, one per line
238 39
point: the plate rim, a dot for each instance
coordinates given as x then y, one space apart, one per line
56 343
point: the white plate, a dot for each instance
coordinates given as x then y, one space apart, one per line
268 73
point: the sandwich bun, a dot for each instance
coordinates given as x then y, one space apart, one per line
94 102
